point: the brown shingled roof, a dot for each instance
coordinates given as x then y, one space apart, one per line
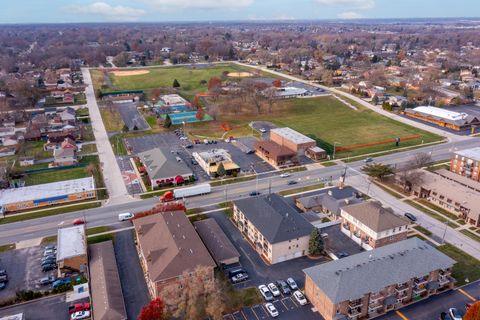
374 216
170 245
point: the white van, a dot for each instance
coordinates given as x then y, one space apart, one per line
125 216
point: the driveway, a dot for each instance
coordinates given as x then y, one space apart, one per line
112 176
134 287
48 308
258 271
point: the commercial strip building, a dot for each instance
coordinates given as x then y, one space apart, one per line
373 226
105 286
210 160
164 168
275 229
72 254
443 118
462 200
221 248
41 195
369 284
168 246
467 163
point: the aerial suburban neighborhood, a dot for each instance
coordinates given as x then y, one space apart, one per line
218 160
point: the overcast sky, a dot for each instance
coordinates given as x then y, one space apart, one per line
60 11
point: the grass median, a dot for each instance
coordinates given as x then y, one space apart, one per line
432 213
302 189
467 268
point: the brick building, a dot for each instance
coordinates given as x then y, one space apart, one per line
467 163
276 155
72 250
373 226
292 139
369 284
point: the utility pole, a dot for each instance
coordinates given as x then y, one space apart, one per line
445 232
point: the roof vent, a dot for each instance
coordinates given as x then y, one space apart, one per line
191 251
370 257
183 236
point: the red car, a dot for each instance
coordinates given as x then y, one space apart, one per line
77 222
79 307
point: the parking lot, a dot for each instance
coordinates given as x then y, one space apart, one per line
24 269
48 308
129 176
132 117
287 307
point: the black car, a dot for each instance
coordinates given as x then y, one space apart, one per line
254 193
342 255
50 256
283 287
3 276
46 281
291 182
3 285
445 316
49 267
233 272
48 261
410 216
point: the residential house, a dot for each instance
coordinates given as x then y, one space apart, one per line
329 201
467 163
274 228
210 160
164 167
68 116
64 157
369 284
168 246
373 226
72 250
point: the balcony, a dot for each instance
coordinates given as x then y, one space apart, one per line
401 288
419 290
353 313
444 279
355 304
376 297
374 308
419 282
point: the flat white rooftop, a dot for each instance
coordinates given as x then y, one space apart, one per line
45 192
441 113
292 135
71 242
473 153
173 99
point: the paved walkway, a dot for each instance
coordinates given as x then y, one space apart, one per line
111 171
440 132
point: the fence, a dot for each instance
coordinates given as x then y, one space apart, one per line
376 143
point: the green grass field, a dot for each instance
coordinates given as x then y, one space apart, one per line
467 267
54 176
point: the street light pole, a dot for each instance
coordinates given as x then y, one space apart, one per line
445 232
334 149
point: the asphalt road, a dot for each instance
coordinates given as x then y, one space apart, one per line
107 215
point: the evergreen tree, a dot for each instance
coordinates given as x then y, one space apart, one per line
168 122
125 128
221 170
315 244
176 84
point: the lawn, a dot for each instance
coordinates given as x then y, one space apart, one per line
112 119
35 149
54 176
88 148
302 189
466 267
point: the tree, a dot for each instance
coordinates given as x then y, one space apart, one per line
176 84
277 83
196 102
155 94
135 128
473 312
315 244
200 114
378 170
375 100
91 169
168 122
125 128
214 83
221 170
155 310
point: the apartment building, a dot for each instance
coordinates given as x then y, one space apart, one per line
373 226
275 229
371 283
467 163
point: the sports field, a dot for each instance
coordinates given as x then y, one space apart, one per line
327 120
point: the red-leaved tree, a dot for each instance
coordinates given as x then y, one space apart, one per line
277 83
200 114
155 310
196 102
473 312
214 83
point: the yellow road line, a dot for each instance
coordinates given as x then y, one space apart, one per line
401 315
467 295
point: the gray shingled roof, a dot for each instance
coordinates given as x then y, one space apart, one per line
273 216
371 271
332 199
161 164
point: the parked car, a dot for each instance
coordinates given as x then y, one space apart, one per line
273 288
50 247
3 276
368 160
80 315
291 182
51 256
183 138
300 297
46 281
272 311
262 130
78 222
410 216
292 284
49 261
194 162
49 252
254 193
79 307
235 271
189 146
283 287
455 314
239 277
285 175
59 282
341 255
267 295
445 316
49 267
3 285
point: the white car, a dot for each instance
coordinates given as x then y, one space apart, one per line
80 315
300 298
265 292
292 284
285 175
273 288
183 138
455 314
262 130
271 310
125 216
